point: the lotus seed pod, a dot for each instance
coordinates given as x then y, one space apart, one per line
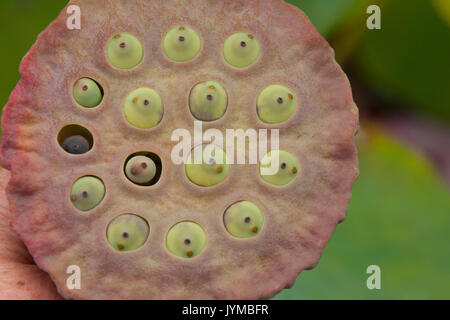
241 50
301 207
276 104
186 239
87 193
124 51
243 219
87 93
208 101
127 232
76 144
140 169
143 108
181 44
212 167
286 167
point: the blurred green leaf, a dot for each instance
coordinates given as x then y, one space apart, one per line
21 22
326 15
408 60
443 9
399 220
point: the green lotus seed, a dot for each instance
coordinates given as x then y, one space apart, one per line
243 219
124 51
181 44
276 104
208 101
241 50
186 239
143 108
87 93
127 232
140 169
279 167
207 165
87 193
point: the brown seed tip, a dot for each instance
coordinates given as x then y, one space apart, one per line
117 36
85 194
135 170
294 170
219 168
250 36
123 45
121 246
212 87
189 253
74 197
254 229
181 29
136 100
290 96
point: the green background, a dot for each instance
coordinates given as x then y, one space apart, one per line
398 218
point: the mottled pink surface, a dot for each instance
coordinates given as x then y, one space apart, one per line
299 218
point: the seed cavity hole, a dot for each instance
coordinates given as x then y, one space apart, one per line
143 168
75 139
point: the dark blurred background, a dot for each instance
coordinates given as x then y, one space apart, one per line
399 217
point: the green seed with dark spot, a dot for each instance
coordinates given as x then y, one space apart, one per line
241 50
276 104
186 239
181 44
243 219
87 93
127 232
87 193
208 101
124 51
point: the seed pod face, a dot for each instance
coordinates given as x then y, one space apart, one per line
298 208
208 101
243 219
127 232
241 50
181 44
186 239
